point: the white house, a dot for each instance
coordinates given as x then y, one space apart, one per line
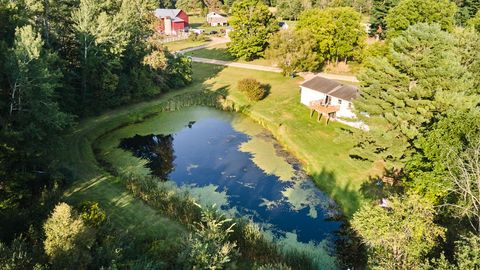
215 19
328 97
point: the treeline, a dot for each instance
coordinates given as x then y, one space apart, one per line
421 101
61 60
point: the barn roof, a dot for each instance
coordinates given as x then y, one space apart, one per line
163 12
332 88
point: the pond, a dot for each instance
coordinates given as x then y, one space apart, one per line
228 160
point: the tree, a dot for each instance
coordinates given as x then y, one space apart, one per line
337 31
68 240
467 255
429 170
209 247
189 5
404 94
465 176
400 235
410 12
294 51
287 9
252 25
380 9
466 10
475 22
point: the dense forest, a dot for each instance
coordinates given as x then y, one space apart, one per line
64 60
61 61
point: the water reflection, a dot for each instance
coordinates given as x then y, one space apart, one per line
157 149
210 158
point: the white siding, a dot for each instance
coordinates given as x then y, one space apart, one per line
309 95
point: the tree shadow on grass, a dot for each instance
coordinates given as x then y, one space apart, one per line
347 197
349 249
384 186
213 53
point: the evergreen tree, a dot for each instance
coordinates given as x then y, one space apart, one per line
380 9
252 25
403 95
68 240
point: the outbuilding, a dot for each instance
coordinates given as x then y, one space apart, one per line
215 19
173 21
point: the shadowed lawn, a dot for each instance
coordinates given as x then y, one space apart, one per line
219 52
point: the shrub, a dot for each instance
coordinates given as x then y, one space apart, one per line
252 88
68 240
208 247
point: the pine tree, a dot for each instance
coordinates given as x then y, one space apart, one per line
403 95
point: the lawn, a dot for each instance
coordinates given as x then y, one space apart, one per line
184 44
220 52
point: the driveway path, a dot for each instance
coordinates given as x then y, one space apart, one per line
216 41
234 64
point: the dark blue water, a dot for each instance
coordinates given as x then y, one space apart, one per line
207 152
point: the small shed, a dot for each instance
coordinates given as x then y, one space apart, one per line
215 19
328 97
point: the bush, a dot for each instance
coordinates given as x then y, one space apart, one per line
252 88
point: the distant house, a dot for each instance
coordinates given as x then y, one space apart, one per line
283 25
173 21
328 97
215 19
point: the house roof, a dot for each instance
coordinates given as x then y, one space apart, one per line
332 88
163 13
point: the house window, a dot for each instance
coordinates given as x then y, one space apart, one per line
339 102
349 105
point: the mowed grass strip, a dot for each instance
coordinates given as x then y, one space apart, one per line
93 183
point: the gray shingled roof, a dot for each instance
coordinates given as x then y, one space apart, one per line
332 88
163 13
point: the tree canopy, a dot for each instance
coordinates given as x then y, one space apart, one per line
252 25
410 12
337 31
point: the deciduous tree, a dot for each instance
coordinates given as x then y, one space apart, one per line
399 235
252 25
410 12
294 51
337 31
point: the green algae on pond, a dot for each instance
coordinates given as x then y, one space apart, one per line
228 160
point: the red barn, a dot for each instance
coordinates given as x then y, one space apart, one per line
173 21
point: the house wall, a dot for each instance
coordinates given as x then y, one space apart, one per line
308 95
